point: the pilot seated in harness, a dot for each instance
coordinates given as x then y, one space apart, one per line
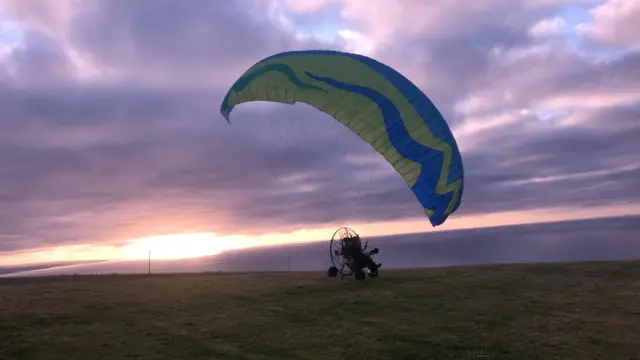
358 257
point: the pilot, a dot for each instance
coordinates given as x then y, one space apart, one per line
352 247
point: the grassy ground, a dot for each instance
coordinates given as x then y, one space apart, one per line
548 311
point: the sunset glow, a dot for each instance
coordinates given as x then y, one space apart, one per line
179 246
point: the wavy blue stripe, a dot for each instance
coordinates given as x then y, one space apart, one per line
421 103
425 187
246 80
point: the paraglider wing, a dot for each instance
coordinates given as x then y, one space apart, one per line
378 104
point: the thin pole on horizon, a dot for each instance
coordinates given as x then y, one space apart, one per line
289 262
149 261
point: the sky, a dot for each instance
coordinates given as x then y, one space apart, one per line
112 142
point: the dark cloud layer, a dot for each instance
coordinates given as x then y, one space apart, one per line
141 149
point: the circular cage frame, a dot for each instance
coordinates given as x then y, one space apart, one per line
335 248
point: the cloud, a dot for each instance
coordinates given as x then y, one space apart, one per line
306 6
547 27
41 15
521 166
111 127
615 22
432 19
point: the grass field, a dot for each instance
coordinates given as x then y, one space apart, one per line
547 311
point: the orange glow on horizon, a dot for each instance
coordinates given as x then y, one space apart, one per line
178 246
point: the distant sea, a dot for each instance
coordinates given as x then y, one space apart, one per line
583 240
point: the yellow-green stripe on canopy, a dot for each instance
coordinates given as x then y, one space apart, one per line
378 104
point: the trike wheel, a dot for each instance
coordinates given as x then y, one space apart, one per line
332 272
